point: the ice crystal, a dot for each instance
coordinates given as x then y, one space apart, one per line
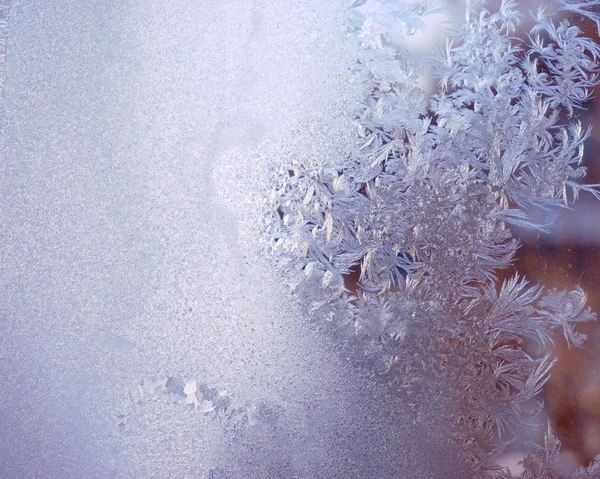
420 213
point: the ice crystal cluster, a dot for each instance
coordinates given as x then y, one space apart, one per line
131 281
401 249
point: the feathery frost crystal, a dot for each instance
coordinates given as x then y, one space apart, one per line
420 212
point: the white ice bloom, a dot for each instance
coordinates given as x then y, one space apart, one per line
420 231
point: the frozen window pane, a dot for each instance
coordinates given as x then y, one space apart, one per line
144 332
153 154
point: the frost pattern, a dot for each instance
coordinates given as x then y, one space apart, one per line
419 214
197 396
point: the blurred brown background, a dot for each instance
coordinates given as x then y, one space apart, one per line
570 256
